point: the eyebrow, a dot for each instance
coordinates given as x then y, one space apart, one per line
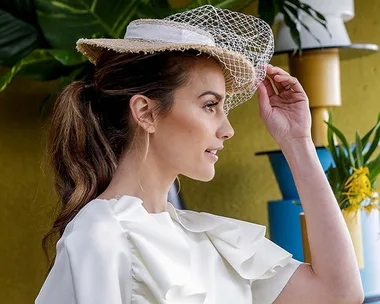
217 95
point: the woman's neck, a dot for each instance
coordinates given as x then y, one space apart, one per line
147 180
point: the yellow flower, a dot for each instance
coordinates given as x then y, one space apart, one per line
360 189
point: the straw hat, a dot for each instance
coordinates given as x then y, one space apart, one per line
242 44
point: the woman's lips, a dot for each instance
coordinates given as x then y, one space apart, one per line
212 155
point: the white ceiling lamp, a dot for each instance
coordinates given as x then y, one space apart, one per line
336 12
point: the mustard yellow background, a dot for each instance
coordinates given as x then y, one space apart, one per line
241 188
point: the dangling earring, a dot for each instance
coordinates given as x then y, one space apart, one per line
179 185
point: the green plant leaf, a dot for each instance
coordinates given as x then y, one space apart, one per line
67 57
229 4
358 151
147 10
368 135
65 21
153 9
293 12
243 4
39 64
17 39
344 141
344 162
334 178
217 3
294 5
267 11
374 169
330 138
23 10
293 29
317 16
159 3
373 146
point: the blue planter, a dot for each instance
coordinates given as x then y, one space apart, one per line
283 174
285 226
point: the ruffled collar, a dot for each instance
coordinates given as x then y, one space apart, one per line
167 254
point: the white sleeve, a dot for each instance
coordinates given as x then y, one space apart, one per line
265 291
89 270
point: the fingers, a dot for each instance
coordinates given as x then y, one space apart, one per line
289 83
273 71
264 103
283 80
270 86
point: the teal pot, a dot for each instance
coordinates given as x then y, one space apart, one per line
283 174
285 226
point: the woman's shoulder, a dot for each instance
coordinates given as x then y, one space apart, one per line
95 220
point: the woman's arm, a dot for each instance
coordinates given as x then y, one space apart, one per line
333 276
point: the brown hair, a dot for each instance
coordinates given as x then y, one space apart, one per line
90 124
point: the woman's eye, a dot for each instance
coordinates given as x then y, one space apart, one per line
210 106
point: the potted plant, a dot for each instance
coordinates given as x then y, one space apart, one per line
352 177
353 174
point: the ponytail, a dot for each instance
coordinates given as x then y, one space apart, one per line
81 157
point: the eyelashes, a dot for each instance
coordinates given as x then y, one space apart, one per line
210 106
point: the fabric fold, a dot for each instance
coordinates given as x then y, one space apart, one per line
158 250
242 244
165 255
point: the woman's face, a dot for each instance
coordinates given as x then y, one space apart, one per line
195 124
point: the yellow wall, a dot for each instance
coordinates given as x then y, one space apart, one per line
242 185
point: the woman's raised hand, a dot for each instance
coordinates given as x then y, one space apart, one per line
285 113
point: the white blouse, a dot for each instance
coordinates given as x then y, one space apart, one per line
115 252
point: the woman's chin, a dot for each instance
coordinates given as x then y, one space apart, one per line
204 176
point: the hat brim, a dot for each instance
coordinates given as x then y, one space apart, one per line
238 71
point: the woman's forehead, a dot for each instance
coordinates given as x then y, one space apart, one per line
206 74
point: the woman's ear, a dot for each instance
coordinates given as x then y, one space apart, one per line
142 112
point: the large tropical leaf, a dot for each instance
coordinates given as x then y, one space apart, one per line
216 3
43 65
21 9
162 8
65 21
267 11
153 9
17 39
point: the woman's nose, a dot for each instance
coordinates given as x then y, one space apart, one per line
226 131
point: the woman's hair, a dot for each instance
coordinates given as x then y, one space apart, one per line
90 124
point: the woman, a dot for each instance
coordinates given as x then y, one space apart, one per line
156 107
